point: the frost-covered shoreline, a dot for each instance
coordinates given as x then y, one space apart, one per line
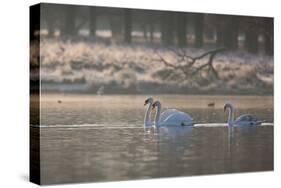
88 67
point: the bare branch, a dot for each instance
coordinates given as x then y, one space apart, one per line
188 68
212 52
182 55
166 62
210 62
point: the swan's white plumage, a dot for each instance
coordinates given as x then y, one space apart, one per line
243 120
246 117
171 117
167 113
180 118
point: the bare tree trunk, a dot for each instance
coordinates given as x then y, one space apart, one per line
199 29
167 28
251 42
268 36
69 21
144 31
49 13
219 35
181 29
151 31
268 45
51 28
128 25
231 33
93 18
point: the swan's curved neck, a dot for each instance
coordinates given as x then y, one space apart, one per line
230 115
157 115
147 114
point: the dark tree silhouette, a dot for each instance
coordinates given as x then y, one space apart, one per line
151 30
144 29
227 28
167 28
174 26
230 34
49 13
268 33
116 19
92 21
251 42
69 28
181 29
148 20
199 29
51 28
219 34
127 25
209 29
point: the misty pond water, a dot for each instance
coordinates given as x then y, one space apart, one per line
102 138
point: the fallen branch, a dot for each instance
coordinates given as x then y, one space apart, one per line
210 62
188 68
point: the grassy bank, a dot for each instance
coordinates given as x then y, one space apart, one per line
89 67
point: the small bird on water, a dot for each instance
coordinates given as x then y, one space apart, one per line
211 104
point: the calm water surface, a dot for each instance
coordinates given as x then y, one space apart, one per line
101 138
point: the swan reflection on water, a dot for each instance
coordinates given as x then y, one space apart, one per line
169 131
178 131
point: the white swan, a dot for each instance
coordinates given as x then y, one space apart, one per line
147 118
243 120
171 117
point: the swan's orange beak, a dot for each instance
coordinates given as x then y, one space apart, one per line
153 106
224 108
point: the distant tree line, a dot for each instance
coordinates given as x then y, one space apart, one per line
254 34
